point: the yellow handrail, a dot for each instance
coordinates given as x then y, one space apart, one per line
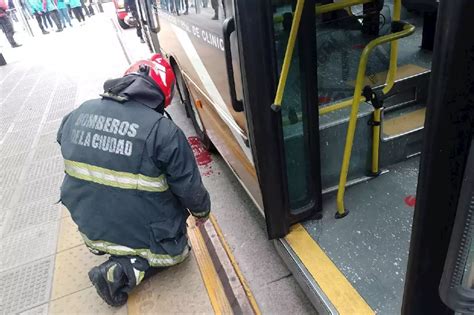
325 8
288 55
408 29
334 107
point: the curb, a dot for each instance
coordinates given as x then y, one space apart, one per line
235 286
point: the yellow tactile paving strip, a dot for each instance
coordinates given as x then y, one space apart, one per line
72 292
83 302
69 236
177 290
70 270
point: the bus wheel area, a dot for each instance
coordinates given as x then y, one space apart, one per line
190 106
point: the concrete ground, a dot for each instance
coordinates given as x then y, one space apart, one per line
44 80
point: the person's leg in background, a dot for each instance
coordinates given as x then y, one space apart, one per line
55 16
46 17
84 7
215 6
44 20
79 15
176 6
65 15
62 19
39 19
7 28
69 10
91 8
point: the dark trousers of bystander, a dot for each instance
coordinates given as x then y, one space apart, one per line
78 13
7 28
46 20
39 19
54 14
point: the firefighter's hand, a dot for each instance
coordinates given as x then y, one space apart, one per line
201 221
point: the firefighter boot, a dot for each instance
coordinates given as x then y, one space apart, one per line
109 280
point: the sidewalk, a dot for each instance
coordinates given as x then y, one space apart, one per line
44 262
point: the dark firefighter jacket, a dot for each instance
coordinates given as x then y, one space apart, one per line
130 174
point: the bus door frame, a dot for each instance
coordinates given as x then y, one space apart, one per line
254 24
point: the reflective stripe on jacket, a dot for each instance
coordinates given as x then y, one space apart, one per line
130 178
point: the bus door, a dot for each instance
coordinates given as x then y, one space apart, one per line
199 38
285 142
439 278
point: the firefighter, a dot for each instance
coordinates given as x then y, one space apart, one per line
131 179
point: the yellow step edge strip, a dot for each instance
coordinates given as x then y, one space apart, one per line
404 71
332 282
209 275
404 123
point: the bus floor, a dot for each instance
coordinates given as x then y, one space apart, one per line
370 245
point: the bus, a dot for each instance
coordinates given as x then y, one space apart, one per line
349 123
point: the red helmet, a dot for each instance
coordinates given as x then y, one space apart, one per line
160 71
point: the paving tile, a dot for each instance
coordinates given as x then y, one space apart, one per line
47 139
13 161
51 126
25 124
39 310
40 189
70 271
27 286
46 151
21 135
59 114
28 245
9 177
46 167
13 147
33 213
6 196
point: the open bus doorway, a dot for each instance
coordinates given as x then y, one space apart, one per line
305 161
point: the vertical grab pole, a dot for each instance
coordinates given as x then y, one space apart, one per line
341 210
390 81
377 120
